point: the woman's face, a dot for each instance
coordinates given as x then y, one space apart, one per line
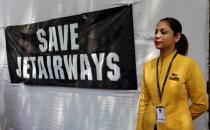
164 36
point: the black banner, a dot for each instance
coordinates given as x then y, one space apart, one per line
91 50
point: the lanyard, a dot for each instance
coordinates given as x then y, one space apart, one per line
166 77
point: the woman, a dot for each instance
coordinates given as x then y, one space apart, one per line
169 81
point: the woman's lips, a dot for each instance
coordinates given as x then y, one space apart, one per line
157 43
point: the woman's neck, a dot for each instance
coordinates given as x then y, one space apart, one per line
166 52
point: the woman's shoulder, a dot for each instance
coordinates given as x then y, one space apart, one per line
151 62
186 59
180 59
187 62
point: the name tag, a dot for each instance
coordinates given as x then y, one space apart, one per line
161 118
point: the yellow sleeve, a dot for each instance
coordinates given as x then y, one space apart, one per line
196 87
143 103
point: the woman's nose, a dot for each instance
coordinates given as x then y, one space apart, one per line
157 35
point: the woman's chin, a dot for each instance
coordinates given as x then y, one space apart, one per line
158 46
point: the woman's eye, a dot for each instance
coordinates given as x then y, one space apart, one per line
164 32
156 31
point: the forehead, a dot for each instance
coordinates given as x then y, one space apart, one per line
163 25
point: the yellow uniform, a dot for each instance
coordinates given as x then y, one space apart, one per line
185 81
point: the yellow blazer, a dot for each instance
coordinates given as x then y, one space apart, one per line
185 81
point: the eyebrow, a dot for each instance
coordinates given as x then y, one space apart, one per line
161 29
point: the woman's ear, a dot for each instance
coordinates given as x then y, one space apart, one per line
177 37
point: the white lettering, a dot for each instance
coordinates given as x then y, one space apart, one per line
115 74
40 33
98 64
53 43
25 68
57 64
85 67
74 35
42 70
71 67
33 59
63 38
49 67
18 71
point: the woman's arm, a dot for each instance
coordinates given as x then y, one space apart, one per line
143 103
197 90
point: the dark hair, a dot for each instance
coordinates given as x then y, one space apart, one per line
175 25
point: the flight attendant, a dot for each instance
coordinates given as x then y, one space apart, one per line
169 81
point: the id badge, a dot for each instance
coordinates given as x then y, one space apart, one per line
161 117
